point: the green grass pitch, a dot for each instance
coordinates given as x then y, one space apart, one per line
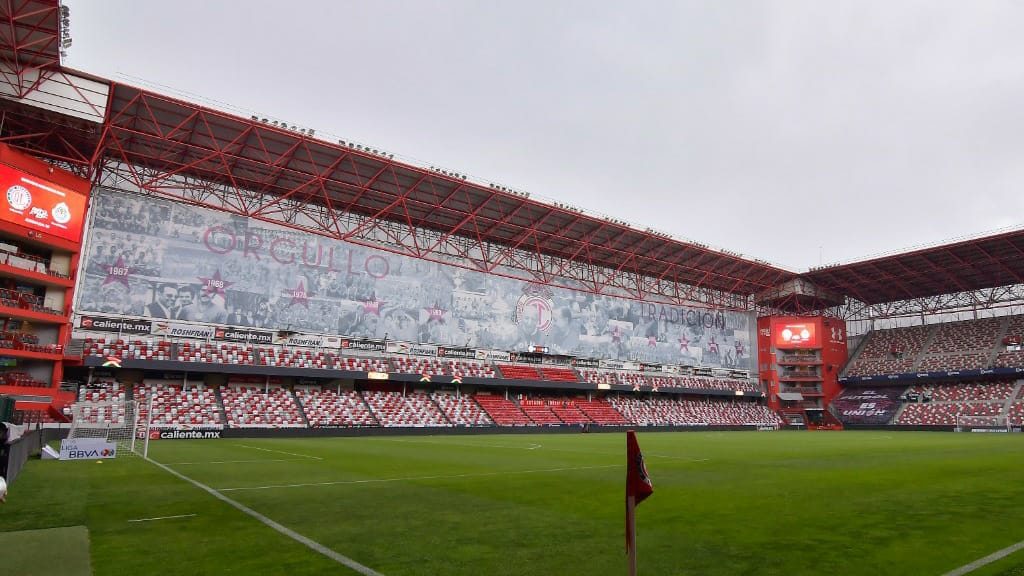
725 503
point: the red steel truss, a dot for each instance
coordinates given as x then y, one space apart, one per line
163 146
29 41
960 267
154 144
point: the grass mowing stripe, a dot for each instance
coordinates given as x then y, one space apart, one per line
437 477
999 555
280 452
313 545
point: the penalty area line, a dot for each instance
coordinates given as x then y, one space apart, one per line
998 555
280 452
236 461
409 478
162 518
309 543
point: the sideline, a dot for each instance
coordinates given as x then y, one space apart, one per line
312 544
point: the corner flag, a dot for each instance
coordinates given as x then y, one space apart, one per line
638 487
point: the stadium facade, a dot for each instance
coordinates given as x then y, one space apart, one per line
178 239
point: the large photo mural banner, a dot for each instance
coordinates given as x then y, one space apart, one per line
164 260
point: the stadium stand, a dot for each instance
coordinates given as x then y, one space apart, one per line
678 412
519 372
539 412
461 409
103 390
398 409
328 408
249 406
556 374
175 405
598 376
890 351
601 412
502 411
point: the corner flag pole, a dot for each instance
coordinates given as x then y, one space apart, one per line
638 487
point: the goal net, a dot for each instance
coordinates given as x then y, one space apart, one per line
114 422
982 424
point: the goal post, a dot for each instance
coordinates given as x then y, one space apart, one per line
965 423
112 422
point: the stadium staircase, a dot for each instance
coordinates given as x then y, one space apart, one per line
302 409
220 404
440 410
1004 329
1018 387
928 341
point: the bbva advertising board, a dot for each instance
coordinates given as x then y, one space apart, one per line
87 449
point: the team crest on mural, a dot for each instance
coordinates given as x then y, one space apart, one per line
535 308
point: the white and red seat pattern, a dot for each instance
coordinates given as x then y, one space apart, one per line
178 406
248 406
357 364
461 409
330 408
676 412
208 353
110 391
407 410
293 357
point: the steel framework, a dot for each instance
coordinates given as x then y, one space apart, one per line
147 143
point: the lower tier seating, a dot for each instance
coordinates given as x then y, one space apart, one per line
175 405
330 408
502 411
250 406
461 409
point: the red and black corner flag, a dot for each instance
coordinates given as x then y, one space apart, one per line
638 487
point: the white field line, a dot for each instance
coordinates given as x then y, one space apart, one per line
236 461
312 544
162 518
998 555
536 446
411 478
280 452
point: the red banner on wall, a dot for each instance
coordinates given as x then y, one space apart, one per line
40 205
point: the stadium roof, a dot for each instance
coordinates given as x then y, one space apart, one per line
30 33
181 138
265 170
987 262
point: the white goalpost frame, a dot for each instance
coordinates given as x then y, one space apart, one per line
968 423
89 420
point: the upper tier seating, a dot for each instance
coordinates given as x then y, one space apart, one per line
890 351
461 409
293 357
175 406
215 353
969 335
140 349
598 376
519 372
248 406
412 410
329 408
558 374
355 364
503 412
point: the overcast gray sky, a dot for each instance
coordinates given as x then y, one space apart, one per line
774 129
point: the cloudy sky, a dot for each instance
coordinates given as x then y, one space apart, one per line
790 131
